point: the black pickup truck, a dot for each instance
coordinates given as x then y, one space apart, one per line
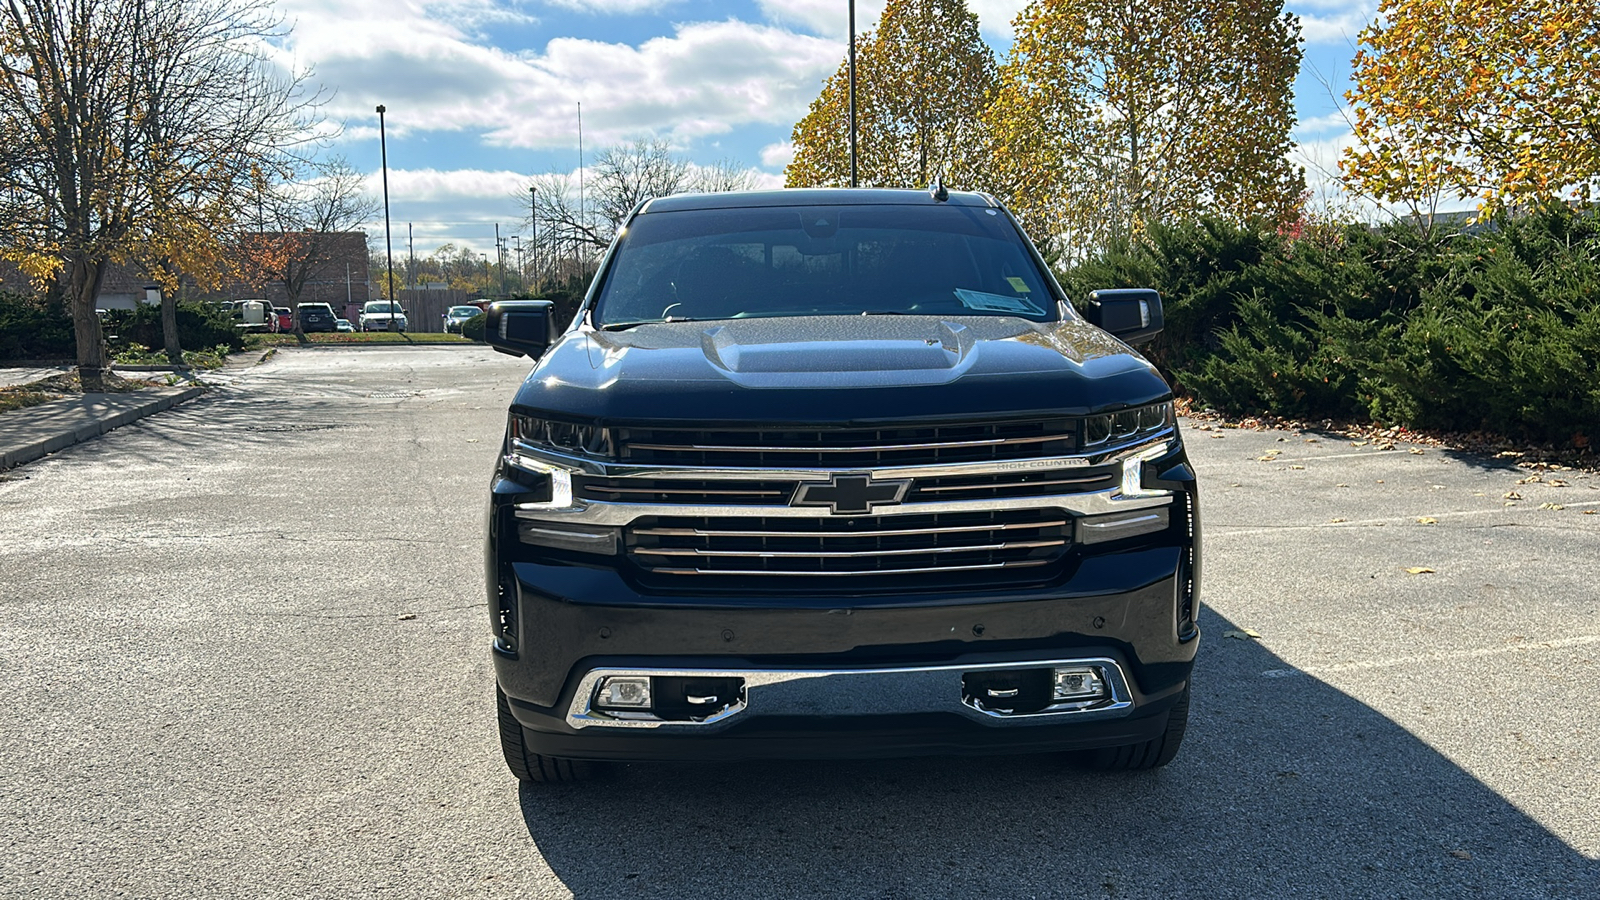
838 473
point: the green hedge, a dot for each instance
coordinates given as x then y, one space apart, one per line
199 325
1495 331
33 328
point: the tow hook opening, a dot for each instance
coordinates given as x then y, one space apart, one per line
1008 691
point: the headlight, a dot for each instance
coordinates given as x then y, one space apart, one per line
564 437
1130 426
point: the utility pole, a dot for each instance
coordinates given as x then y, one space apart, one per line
411 253
853 93
533 216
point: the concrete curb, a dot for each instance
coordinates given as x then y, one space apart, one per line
23 441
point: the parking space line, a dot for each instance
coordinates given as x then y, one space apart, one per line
1581 640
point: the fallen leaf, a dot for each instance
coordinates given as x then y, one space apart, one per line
1313 440
1358 443
1271 456
472 440
1386 445
1297 467
1531 479
1460 854
1415 451
1341 484
405 617
1588 512
1420 570
1243 634
1555 506
1512 495
1556 482
1427 520
1335 521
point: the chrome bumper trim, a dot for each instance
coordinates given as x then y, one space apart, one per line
852 692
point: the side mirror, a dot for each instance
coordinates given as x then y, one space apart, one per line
1132 314
521 327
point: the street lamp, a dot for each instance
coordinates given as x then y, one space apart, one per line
388 237
852 93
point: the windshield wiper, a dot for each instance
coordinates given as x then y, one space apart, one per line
624 326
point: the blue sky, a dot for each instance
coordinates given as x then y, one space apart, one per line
481 94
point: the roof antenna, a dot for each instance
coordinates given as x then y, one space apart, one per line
937 189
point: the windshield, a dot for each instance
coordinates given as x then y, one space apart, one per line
825 260
463 310
377 307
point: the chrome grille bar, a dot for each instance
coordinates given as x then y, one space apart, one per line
859 573
891 532
857 448
852 554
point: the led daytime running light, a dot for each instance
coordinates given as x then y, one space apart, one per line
1128 426
563 437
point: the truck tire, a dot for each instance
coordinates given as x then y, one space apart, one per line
532 767
1151 754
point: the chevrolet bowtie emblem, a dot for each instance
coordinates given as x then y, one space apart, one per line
851 493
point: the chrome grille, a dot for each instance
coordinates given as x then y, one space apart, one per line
842 448
1012 485
991 543
685 492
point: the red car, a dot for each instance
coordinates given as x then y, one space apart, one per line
285 318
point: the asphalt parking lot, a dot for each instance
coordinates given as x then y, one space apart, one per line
244 654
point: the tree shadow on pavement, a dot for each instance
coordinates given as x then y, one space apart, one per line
1285 787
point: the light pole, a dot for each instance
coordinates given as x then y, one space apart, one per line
852 93
388 237
533 217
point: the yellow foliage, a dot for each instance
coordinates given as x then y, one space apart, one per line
1497 100
922 80
1110 115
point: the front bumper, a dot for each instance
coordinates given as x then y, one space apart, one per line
843 673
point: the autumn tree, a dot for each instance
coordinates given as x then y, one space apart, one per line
131 126
1113 115
303 226
1494 100
572 223
923 78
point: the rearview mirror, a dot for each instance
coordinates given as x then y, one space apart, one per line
521 327
1132 314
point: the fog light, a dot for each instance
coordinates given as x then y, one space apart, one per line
623 692
1080 683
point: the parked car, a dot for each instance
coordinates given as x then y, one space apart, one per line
344 324
377 315
825 473
285 318
316 317
253 315
456 316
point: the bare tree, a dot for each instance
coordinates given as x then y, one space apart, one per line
570 232
136 124
303 226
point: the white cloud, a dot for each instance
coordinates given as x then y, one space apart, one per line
777 156
1337 22
704 79
825 17
1335 121
830 18
611 7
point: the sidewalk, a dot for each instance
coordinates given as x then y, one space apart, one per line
27 434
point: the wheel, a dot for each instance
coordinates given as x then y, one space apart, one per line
1151 754
532 767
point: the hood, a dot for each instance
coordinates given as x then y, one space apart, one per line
839 369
